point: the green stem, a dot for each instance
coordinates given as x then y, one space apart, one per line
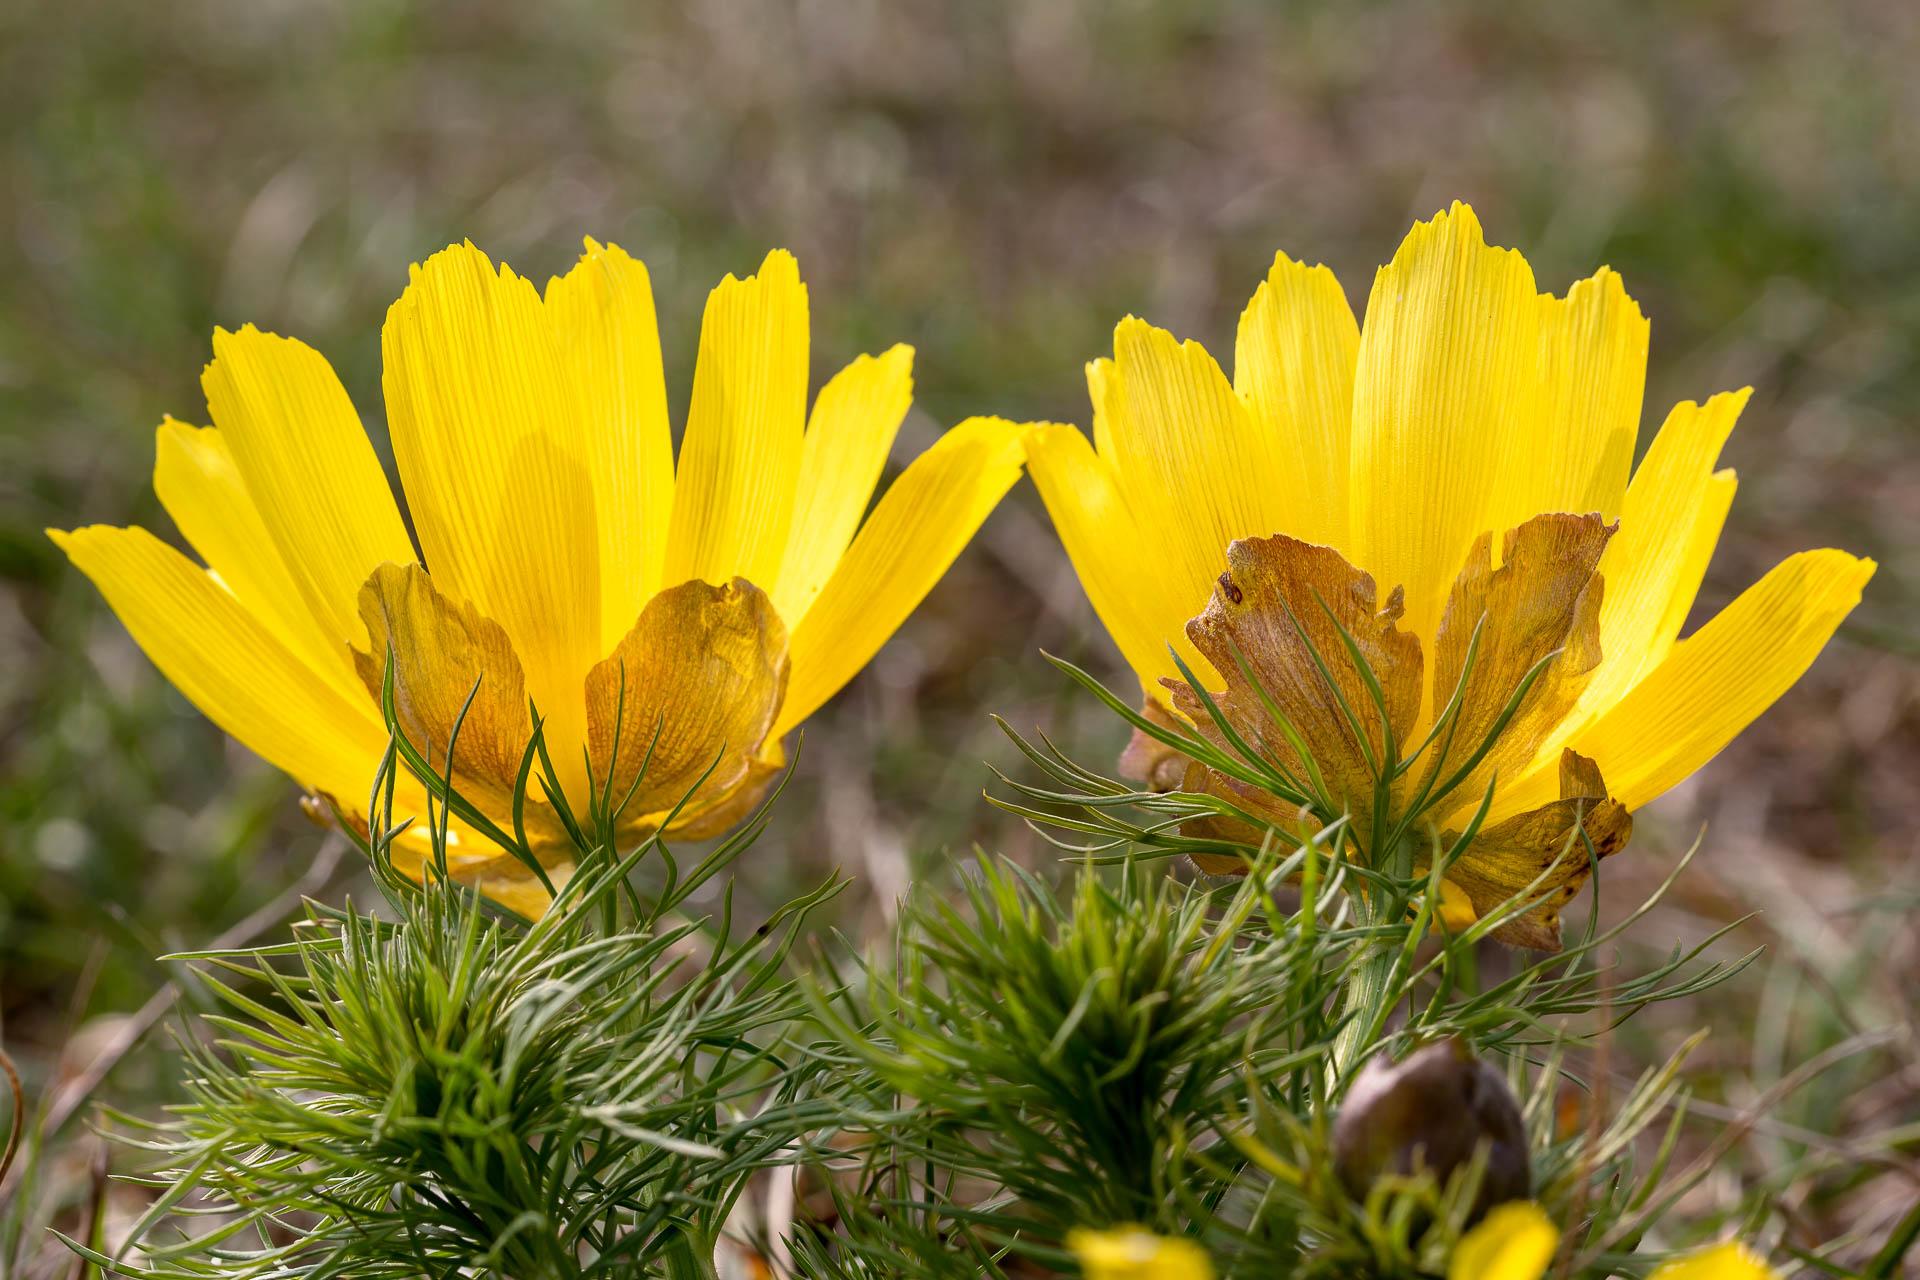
1364 1006
692 1259
1369 997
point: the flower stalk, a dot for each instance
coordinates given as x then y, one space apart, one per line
1371 994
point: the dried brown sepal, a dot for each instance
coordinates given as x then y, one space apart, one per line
317 809
1544 597
1151 761
1293 824
1281 607
445 651
1200 780
705 668
1504 859
727 811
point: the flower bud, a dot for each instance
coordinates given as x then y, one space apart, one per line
1429 1113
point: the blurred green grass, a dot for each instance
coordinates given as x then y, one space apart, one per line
996 183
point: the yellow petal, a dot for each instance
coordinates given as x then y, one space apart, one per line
1661 551
230 664
1515 1241
1293 364
1163 599
604 325
915 532
1594 370
1728 1261
237 670
1719 679
1701 540
1281 607
1124 574
451 666
1134 1253
740 458
1192 465
1447 380
1652 571
309 468
489 431
855 419
194 476
694 686
1102 388
1455 911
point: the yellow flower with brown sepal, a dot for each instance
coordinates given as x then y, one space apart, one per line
1447 495
684 613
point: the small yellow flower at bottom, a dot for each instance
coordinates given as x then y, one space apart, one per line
1134 1253
1514 1242
1729 1261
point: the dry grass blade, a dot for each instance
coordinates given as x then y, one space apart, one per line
72 1095
19 1118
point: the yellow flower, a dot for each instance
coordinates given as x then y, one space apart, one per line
1515 1241
1727 1261
565 556
1463 456
1134 1253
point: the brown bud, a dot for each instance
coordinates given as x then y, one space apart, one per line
318 809
1430 1112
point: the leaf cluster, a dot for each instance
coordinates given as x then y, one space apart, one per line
1140 1048
443 1088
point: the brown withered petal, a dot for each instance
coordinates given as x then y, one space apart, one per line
1150 760
1545 596
1278 596
1507 857
443 651
1201 780
727 811
705 667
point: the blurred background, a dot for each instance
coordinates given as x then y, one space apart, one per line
996 183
